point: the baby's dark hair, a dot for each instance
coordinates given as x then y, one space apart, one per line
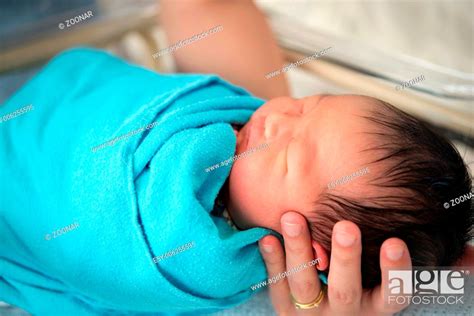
427 173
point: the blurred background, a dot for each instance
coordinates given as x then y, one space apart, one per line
375 47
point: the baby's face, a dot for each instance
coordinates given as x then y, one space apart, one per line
312 141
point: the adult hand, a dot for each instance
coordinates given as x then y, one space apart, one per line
345 295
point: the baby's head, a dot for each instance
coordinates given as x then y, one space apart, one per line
316 141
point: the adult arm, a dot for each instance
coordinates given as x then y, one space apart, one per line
242 52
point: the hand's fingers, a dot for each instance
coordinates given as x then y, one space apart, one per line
300 263
345 281
394 255
274 257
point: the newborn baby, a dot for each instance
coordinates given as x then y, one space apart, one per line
146 194
319 139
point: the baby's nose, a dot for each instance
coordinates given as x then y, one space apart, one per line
277 124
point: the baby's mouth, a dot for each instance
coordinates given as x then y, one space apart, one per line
245 137
250 133
255 131
239 134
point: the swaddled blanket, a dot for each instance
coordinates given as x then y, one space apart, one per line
106 174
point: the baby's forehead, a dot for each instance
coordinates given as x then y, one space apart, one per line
343 100
338 111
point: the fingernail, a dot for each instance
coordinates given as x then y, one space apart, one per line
292 229
394 253
344 239
267 248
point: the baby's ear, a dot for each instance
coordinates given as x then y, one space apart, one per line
321 254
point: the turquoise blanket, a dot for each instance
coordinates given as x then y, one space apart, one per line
104 199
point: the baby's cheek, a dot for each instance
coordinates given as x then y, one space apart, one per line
241 185
252 201
245 197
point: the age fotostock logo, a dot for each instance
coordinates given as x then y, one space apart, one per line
425 286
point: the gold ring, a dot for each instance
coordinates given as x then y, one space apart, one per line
317 301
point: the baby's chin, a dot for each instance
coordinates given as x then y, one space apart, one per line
238 199
245 201
245 205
